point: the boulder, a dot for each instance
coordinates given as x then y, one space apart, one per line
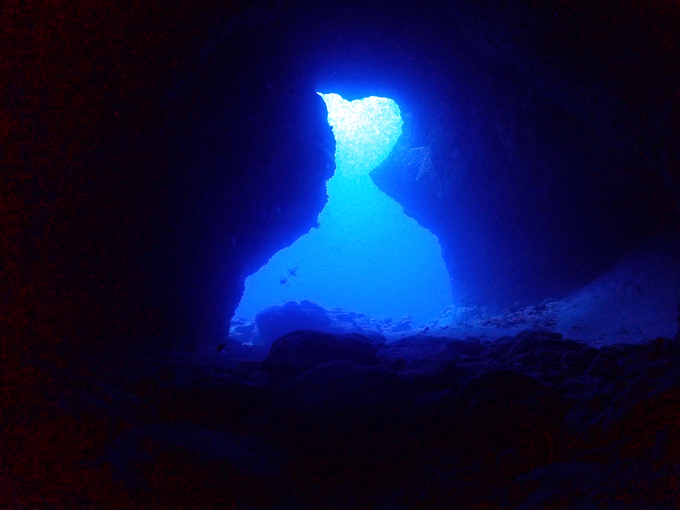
528 340
299 351
351 322
470 346
276 321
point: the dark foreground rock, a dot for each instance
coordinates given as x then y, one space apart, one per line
533 421
299 351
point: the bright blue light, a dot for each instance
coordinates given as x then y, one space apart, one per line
366 255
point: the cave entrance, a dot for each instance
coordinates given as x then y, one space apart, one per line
366 255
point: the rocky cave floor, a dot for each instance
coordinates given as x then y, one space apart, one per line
324 420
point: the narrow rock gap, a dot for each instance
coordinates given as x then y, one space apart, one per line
366 257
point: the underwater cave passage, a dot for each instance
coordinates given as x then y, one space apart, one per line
366 256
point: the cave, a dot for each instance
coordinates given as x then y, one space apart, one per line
365 256
155 157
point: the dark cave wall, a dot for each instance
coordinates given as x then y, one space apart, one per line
612 64
549 150
528 201
262 152
83 173
256 151
150 173
153 156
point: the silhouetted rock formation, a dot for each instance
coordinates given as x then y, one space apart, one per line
300 351
530 421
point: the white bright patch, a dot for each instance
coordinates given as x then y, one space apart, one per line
365 131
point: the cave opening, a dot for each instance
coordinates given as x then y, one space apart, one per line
365 256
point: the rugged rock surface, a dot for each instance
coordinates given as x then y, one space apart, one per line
276 321
531 421
300 351
498 168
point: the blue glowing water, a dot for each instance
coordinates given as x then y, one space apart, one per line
367 255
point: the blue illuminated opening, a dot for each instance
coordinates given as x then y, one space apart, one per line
366 255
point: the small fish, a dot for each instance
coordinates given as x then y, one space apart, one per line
293 271
283 280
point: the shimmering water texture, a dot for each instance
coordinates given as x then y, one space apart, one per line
366 256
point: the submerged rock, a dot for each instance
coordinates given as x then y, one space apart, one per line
299 351
276 321
541 339
341 421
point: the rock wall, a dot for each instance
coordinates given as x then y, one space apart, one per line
548 157
253 183
148 173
